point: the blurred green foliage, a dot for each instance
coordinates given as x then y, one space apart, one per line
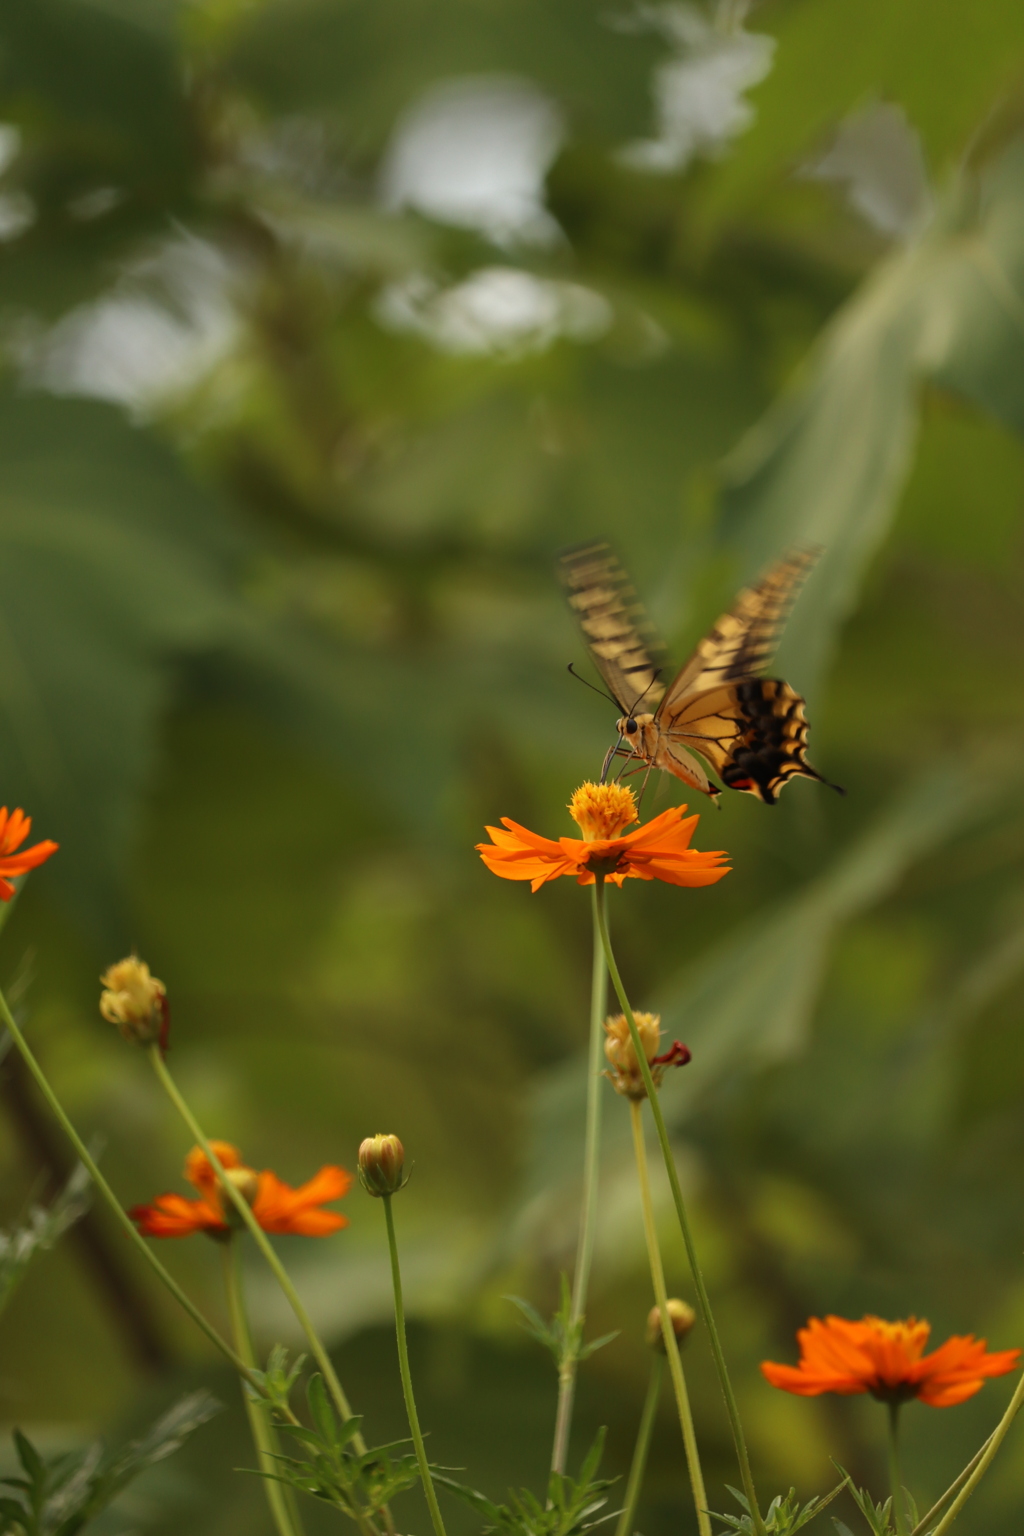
279 632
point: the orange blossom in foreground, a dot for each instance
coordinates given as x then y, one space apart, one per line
658 851
14 829
887 1360
276 1205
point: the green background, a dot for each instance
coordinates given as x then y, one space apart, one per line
279 636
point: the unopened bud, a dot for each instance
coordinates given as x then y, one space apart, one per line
136 1002
681 1316
381 1159
624 1074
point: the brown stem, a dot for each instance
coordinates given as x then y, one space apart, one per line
130 1312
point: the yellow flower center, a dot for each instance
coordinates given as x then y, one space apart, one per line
602 810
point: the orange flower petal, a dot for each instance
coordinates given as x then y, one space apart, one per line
280 1208
175 1216
887 1359
199 1169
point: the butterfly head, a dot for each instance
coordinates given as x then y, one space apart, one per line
633 728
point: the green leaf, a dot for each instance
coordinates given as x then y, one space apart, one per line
45 1225
320 1408
827 464
102 512
832 58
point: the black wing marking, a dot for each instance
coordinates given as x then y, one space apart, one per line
625 648
753 733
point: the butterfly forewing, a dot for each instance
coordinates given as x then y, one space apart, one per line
743 641
624 646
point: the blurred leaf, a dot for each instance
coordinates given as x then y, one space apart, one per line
827 465
45 1224
943 68
340 57
103 515
63 1494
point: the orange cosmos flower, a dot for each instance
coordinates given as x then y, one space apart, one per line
276 1205
14 829
887 1360
658 851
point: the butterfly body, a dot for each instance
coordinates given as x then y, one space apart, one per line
751 730
645 739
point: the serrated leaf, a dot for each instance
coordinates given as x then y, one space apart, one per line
320 1408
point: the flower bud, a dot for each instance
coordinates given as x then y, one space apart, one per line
136 1002
247 1182
625 1076
681 1316
380 1165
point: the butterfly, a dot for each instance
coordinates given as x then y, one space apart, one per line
750 729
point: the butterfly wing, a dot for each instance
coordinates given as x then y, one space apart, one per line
753 733
743 641
624 646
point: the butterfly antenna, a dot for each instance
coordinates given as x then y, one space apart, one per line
639 701
572 670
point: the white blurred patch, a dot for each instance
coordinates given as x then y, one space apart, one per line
10 145
17 212
496 310
475 152
698 95
168 321
878 155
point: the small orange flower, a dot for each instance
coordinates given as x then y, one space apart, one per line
14 829
276 1205
658 851
887 1360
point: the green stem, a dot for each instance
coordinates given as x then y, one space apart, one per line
265 1440
984 1461
123 1219
925 1521
264 1244
668 1333
588 1214
643 1445
703 1300
895 1473
403 1366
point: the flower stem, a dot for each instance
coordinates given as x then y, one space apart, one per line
643 1445
403 1366
703 1300
264 1244
588 1213
895 1473
925 1522
675 1364
285 1517
984 1461
121 1215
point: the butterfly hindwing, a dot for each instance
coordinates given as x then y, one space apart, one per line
753 733
625 649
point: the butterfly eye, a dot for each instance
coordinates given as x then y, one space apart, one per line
631 727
